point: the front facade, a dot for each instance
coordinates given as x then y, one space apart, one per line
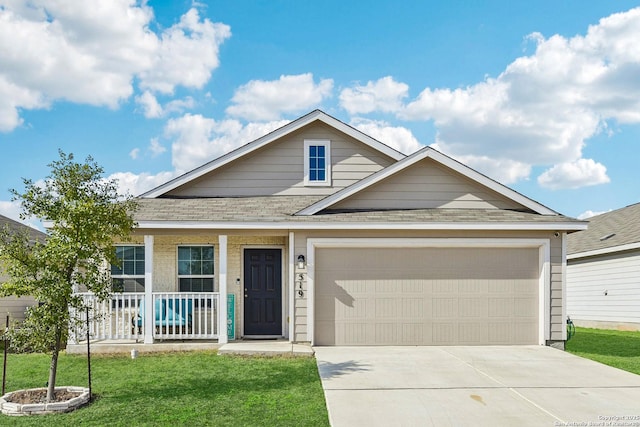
318 233
603 271
16 307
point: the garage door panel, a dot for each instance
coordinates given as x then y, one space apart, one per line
472 333
422 296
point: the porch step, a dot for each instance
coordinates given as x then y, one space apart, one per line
266 348
125 346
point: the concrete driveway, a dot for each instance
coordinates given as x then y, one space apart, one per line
473 386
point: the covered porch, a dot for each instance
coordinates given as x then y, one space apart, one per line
159 309
162 316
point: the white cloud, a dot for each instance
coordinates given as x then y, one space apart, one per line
134 153
396 137
151 108
132 184
12 210
262 100
156 148
384 94
188 53
543 107
92 52
198 139
590 213
581 173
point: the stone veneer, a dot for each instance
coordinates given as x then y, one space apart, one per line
10 408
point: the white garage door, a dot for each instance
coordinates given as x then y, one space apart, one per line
426 296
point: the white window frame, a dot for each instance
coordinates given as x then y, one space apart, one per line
195 276
129 276
327 150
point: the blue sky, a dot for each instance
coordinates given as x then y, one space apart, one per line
542 96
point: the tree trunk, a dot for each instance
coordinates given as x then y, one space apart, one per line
53 368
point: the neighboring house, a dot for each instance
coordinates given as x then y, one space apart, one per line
13 306
603 271
319 233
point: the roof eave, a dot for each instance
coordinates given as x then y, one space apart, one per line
605 251
285 225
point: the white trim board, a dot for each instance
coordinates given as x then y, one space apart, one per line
212 225
544 257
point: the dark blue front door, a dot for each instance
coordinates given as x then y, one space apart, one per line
263 292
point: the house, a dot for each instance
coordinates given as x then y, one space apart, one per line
319 233
13 306
603 271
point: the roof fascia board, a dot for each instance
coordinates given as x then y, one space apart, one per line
604 251
492 184
422 154
268 138
208 225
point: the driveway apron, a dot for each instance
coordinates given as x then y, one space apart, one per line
473 386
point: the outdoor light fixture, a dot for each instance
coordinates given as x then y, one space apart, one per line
300 262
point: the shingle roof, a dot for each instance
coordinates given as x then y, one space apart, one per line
15 227
270 209
611 229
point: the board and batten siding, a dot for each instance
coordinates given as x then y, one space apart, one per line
555 320
426 185
605 289
278 168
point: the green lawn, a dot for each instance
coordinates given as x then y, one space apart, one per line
620 349
180 389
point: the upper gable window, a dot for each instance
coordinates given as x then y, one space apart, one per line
317 162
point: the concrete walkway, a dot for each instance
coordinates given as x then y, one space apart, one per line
473 386
266 348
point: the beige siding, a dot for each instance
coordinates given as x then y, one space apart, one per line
15 307
427 185
278 168
618 276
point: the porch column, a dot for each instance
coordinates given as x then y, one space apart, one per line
148 290
222 276
291 326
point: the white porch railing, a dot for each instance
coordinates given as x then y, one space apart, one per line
175 315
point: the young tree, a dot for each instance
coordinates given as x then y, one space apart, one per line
84 214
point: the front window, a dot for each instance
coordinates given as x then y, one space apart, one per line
317 162
195 268
128 274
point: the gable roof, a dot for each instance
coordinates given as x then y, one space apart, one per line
440 158
613 231
316 115
16 227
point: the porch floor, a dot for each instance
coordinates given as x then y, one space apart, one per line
266 348
240 347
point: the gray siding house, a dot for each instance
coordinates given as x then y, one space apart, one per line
603 271
13 306
319 233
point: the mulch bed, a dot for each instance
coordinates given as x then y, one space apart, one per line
40 396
